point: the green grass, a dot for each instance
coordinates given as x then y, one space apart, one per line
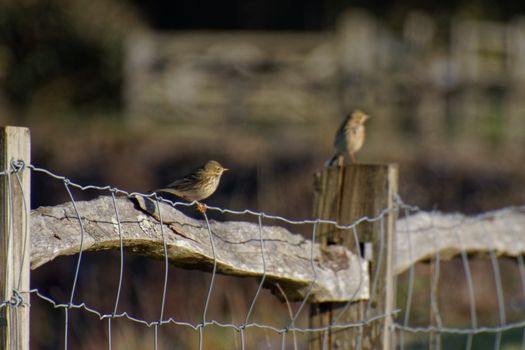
510 340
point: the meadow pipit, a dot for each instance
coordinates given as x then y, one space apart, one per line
197 185
349 137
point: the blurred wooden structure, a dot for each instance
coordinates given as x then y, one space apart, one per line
468 91
216 77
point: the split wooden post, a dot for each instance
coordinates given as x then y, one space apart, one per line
14 238
347 194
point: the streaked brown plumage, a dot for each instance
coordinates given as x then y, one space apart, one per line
349 137
197 185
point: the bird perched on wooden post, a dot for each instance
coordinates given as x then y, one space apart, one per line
197 185
349 137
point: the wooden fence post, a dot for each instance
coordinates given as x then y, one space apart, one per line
14 239
347 194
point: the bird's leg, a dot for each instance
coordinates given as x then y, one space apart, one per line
201 208
340 160
352 158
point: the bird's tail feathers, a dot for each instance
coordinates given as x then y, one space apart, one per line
330 162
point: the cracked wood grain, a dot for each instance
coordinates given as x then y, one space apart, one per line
423 235
339 274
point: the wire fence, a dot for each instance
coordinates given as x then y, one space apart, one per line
424 292
471 301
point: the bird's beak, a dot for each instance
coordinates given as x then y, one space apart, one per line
225 169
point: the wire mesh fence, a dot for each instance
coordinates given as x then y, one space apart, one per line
287 330
117 300
465 297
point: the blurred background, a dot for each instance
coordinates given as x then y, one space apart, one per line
136 93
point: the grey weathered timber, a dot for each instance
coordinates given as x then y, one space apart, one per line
348 194
14 239
423 235
237 246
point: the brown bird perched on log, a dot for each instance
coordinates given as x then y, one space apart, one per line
197 185
349 137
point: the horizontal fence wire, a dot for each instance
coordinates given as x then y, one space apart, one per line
407 321
247 324
435 331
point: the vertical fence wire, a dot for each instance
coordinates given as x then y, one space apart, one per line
263 261
166 261
79 260
156 336
66 328
121 266
435 314
470 288
499 294
109 334
403 326
81 246
283 340
521 270
212 282
499 298
410 282
261 283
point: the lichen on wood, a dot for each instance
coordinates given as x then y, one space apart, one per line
236 249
